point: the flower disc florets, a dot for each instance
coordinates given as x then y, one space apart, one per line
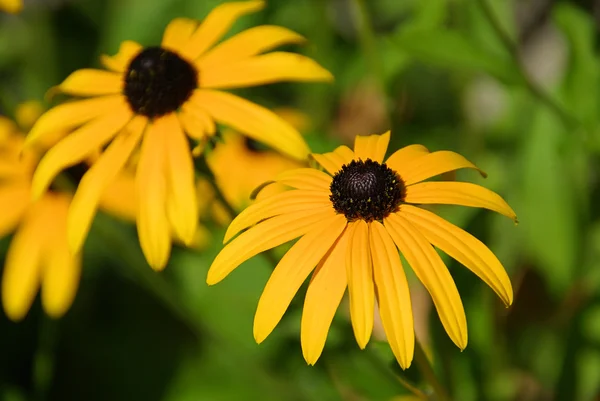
158 82
366 190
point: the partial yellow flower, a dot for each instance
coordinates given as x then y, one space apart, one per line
39 254
159 96
353 220
11 6
240 165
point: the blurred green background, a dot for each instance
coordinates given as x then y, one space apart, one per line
511 84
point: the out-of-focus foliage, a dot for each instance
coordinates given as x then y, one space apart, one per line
512 84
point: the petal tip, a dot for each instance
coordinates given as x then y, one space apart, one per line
157 265
362 342
213 276
259 336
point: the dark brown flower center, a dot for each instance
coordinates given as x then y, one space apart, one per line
366 190
158 82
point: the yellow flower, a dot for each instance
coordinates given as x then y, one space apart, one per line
240 165
39 254
157 95
353 221
11 6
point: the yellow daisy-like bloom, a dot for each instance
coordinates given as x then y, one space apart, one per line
240 165
157 96
11 6
39 254
353 220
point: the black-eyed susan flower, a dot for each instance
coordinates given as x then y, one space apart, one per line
353 220
158 96
11 6
240 164
38 255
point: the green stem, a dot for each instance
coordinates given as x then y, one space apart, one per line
368 43
426 370
384 369
530 84
43 363
412 388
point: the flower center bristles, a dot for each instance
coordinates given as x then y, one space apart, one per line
366 190
158 82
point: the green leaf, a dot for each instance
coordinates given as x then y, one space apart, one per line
588 365
450 49
429 14
548 214
582 77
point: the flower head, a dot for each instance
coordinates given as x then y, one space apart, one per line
39 254
159 96
11 6
353 220
240 164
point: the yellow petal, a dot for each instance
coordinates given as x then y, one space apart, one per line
77 146
323 297
429 268
263 69
22 269
463 247
11 169
402 157
332 162
359 270
458 193
215 25
291 271
14 201
118 198
196 122
266 235
178 32
305 178
97 179
120 61
345 153
73 114
151 190
282 203
393 295
181 184
253 120
62 269
433 164
249 43
90 82
371 147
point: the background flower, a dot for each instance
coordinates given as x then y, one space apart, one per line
11 6
38 255
241 165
